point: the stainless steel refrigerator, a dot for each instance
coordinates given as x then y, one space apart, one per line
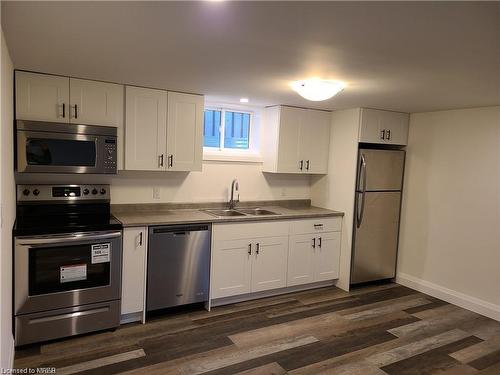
377 207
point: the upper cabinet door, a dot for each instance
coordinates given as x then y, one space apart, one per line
96 103
145 130
184 132
290 122
315 141
42 97
383 127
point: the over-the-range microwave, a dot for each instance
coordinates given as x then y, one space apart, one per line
46 147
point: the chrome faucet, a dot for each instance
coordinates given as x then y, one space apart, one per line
234 187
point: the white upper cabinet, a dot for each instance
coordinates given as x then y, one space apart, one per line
42 97
296 140
315 141
383 127
96 103
184 132
164 130
146 129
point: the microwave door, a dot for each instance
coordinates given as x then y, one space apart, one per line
41 152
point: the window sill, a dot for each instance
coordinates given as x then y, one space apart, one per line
231 157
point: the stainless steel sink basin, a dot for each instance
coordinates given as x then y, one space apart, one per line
223 213
257 211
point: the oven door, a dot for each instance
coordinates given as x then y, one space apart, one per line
59 271
52 152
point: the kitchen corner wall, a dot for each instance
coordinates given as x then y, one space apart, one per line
8 208
450 222
210 185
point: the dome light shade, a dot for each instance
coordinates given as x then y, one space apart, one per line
316 89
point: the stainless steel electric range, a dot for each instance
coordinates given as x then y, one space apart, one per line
67 262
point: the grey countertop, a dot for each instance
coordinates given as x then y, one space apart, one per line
162 214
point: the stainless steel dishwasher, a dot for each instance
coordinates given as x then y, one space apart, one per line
178 265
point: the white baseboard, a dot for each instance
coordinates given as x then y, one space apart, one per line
463 300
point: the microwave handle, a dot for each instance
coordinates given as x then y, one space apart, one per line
53 239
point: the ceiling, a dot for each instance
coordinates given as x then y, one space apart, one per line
405 56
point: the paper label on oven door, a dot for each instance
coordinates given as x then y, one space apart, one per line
75 272
100 253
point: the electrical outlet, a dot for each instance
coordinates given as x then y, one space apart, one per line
156 192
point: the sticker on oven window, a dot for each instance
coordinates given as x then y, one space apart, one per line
75 272
100 253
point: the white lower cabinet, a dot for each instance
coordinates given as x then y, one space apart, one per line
314 251
269 263
255 257
300 260
134 269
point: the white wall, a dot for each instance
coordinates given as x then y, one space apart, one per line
450 224
335 191
210 185
7 195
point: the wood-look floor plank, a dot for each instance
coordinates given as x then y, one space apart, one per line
321 326
385 309
268 369
432 305
415 348
486 361
434 325
82 366
460 370
431 361
221 359
493 370
477 351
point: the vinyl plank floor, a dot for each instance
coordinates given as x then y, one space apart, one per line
372 330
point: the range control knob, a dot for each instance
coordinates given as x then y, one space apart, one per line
86 191
94 191
26 192
36 192
103 191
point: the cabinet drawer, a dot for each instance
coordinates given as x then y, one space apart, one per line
268 228
319 225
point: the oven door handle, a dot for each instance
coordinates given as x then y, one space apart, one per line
78 237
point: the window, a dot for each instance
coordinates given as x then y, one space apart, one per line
230 134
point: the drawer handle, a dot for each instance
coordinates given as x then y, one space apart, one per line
318 225
68 315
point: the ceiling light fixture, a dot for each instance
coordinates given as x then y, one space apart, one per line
244 100
316 89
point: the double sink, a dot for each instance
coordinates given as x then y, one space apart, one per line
240 212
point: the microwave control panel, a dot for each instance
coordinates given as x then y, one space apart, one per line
110 155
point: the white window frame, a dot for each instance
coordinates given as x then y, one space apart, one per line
252 154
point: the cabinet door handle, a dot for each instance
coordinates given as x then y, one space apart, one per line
314 243
382 134
76 111
388 135
160 160
301 164
307 165
249 249
64 110
320 241
170 161
258 248
140 239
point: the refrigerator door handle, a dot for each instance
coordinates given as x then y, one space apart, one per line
359 213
